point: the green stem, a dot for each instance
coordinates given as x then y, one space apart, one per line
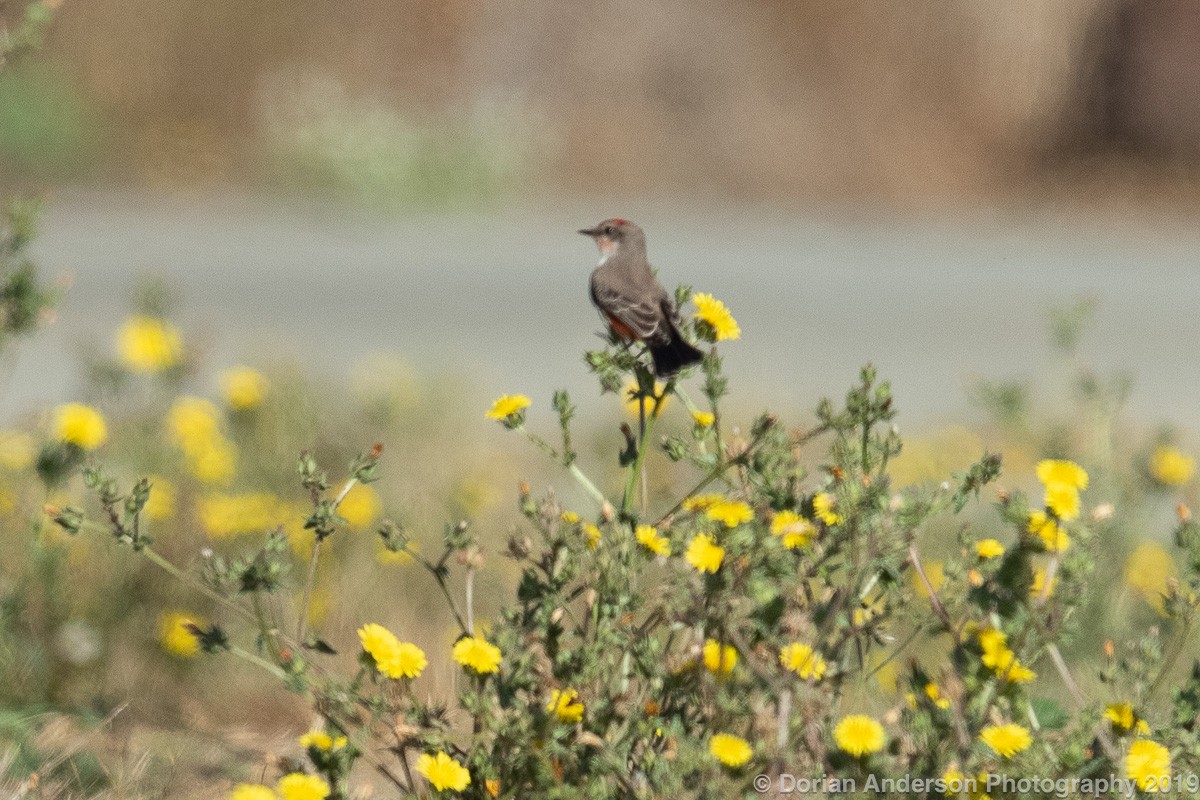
258 661
635 470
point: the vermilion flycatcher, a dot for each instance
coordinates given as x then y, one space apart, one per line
632 300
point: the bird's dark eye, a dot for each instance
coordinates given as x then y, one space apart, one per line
609 230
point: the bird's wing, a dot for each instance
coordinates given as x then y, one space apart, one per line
643 316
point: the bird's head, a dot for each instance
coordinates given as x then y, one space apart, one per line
613 233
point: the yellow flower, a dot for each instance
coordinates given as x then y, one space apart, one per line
298 786
176 635
569 517
508 406
803 660
704 554
1149 764
935 573
795 530
566 705
214 462
478 653
1066 473
649 538
1001 660
700 502
443 772
1038 585
719 658
1125 719
718 322
704 419
653 407
360 507
730 750
1006 740
17 449
823 504
730 512
80 425
244 388
1171 467
252 791
592 534
193 422
161 503
222 515
322 741
989 548
1054 537
1147 571
392 657
148 344
934 693
1063 500
492 787
859 735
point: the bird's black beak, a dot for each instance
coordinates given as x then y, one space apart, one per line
593 232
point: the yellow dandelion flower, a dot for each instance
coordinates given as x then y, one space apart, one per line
730 512
795 530
252 791
214 462
934 693
700 502
935 572
161 503
719 658
80 425
592 534
1171 467
1000 659
859 735
192 422
393 658
1122 716
478 654
1149 765
653 407
1038 586
566 705
298 786
175 634
649 538
360 507
17 450
1063 500
244 388
508 406
703 419
318 739
801 659
569 517
1006 740
1148 570
148 344
954 780
989 548
443 772
1054 537
717 323
730 750
823 505
704 554
1065 473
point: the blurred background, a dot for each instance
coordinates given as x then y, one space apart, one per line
374 202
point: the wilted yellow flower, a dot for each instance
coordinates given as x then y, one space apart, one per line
795 530
148 344
934 572
653 407
700 502
244 388
298 786
801 659
393 658
719 658
17 449
176 635
704 419
492 787
731 512
1006 740
649 538
989 548
565 705
704 554
80 425
1149 765
360 507
1065 473
1171 467
1054 537
1147 571
252 791
1063 500
478 654
592 534
823 504
443 772
730 750
859 735
718 322
569 517
508 405
161 503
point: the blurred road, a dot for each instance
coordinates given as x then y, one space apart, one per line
503 297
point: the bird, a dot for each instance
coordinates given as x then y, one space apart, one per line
632 301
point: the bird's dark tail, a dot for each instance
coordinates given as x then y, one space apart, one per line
673 356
